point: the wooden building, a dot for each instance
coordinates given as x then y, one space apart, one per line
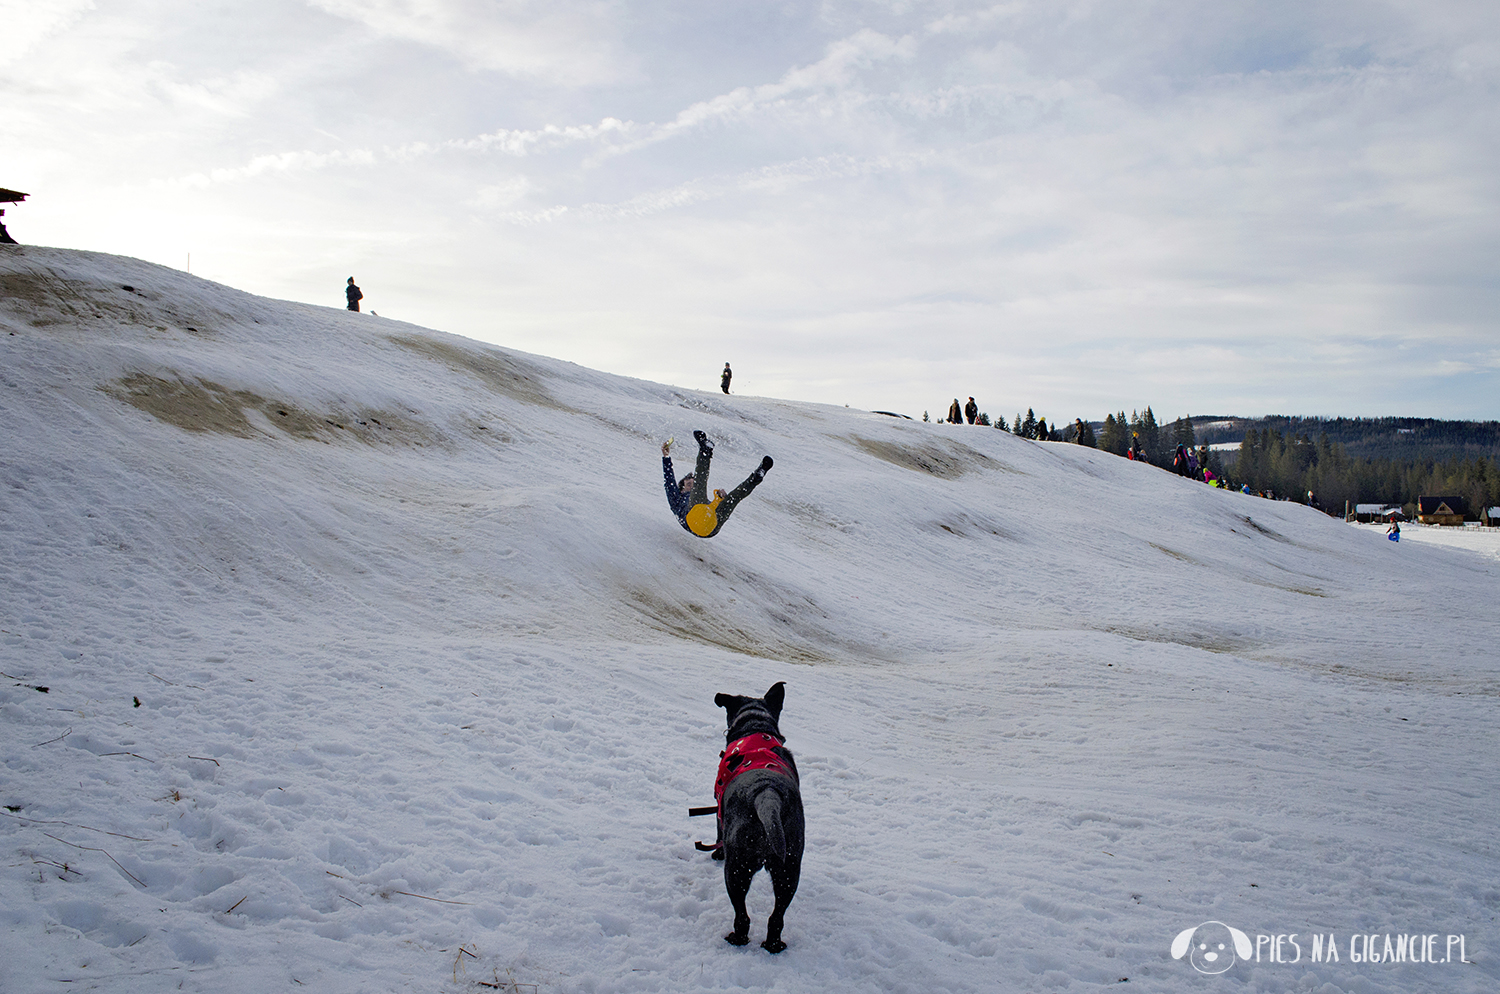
1490 517
1440 510
1368 513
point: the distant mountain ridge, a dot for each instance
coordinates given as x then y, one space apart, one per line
1414 439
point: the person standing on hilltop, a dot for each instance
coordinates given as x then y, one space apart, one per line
971 410
725 378
353 294
955 415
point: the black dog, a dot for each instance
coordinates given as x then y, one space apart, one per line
760 810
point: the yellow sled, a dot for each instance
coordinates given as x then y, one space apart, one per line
702 519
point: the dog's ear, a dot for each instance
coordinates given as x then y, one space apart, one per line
1181 943
774 698
732 703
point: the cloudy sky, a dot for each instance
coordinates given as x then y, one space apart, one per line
1073 205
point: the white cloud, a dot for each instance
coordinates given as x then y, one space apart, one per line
506 193
513 143
561 42
835 71
771 180
281 162
27 22
535 217
232 95
521 142
962 23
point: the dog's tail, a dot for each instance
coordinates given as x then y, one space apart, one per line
768 809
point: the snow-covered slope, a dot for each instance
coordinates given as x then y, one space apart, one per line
375 661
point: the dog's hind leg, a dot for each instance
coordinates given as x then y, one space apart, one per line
737 875
784 862
784 879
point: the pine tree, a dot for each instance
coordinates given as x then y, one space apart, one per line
1151 439
1113 436
1028 427
1182 433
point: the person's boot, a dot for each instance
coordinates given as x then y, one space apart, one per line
703 443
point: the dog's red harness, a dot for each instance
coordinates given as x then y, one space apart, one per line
753 752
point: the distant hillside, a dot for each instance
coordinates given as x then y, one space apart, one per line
1401 439
1413 440
1330 460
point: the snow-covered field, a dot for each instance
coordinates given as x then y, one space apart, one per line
374 661
1471 538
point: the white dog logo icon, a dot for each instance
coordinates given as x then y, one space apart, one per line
1214 946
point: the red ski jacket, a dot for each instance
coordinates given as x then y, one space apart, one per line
753 752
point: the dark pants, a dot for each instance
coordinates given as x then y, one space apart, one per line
354 305
727 505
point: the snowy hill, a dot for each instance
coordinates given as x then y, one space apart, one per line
374 661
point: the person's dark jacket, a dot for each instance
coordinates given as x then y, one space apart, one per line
971 410
680 502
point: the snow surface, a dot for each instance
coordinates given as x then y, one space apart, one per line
1473 538
375 662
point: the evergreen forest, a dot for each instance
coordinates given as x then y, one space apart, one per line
1324 461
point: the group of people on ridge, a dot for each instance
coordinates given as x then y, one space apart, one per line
1194 465
956 414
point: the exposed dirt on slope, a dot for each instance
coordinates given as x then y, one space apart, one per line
206 406
948 462
48 300
505 375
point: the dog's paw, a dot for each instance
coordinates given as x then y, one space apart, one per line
738 938
773 945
